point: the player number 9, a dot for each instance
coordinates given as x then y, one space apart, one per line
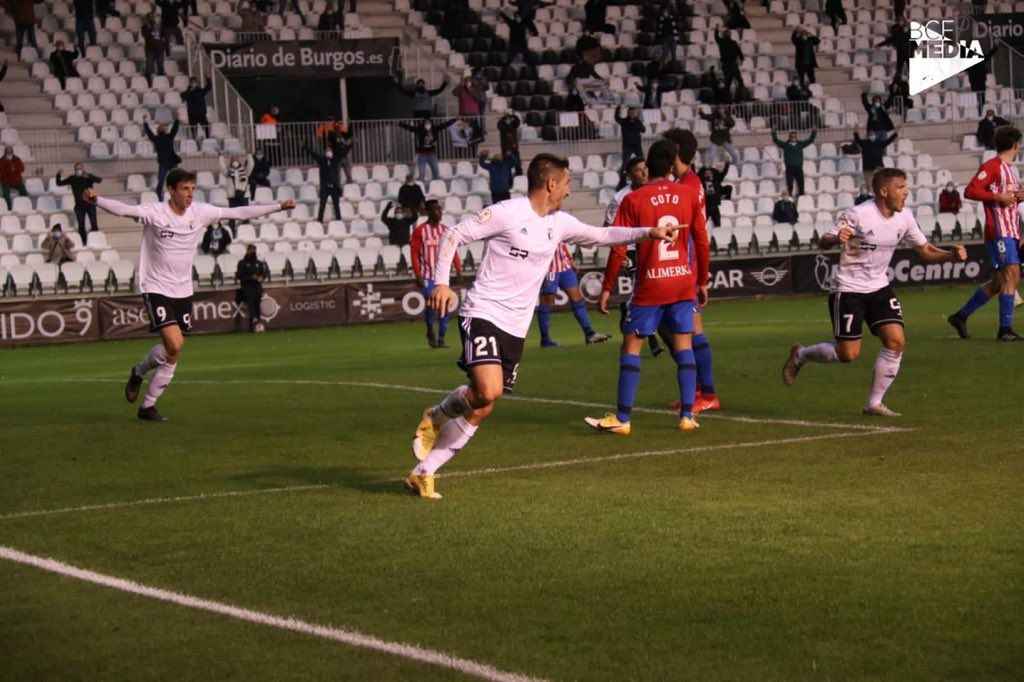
161 312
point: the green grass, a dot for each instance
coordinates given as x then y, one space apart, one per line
890 556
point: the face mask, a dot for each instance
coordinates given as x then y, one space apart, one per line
991 118
57 233
234 164
428 126
8 156
79 173
330 155
259 156
950 188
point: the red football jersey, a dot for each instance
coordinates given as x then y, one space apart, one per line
664 274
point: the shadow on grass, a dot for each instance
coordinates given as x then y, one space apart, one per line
375 482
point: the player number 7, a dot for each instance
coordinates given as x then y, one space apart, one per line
849 322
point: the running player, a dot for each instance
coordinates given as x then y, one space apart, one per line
171 232
562 274
868 234
423 247
998 187
667 287
495 317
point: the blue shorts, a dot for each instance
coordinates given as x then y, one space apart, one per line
564 279
428 288
1003 252
643 320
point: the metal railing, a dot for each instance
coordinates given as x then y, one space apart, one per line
231 108
1005 63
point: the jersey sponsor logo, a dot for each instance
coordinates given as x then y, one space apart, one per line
982 175
769 276
516 252
666 272
164 234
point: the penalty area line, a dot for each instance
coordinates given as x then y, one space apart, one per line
344 636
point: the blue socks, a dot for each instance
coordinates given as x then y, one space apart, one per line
977 299
629 380
544 321
1005 311
702 353
686 373
442 326
431 316
579 309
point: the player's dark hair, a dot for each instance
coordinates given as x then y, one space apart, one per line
430 203
685 140
179 175
1005 137
661 157
633 163
883 176
541 169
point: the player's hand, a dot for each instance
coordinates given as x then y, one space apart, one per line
959 252
89 196
844 235
602 303
1020 195
702 296
287 204
442 299
666 233
1007 198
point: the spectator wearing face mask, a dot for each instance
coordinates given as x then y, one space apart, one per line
899 95
215 240
336 137
422 98
714 191
793 158
58 247
400 225
987 129
166 157
722 123
806 60
879 122
260 174
949 199
155 43
410 195
62 63
784 210
235 177
250 273
501 171
426 145
195 103
12 176
330 188
79 182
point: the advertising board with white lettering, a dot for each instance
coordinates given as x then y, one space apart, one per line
306 59
49 321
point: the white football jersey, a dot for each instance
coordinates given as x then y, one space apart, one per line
519 250
865 257
613 205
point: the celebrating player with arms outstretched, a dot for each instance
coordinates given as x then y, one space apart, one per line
868 234
997 186
667 286
170 233
496 313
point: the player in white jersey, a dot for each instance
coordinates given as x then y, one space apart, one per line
171 231
868 235
495 316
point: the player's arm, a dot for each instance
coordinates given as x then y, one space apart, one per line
840 234
930 253
415 242
582 234
977 190
484 225
257 211
111 205
702 248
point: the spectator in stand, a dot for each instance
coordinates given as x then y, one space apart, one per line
722 123
155 44
863 195
977 75
464 139
469 103
501 170
85 23
836 14
668 32
186 7
574 102
806 59
272 147
736 19
793 158
215 240
335 136
527 9
58 247
797 91
12 175
330 187
163 143
195 103
79 182
426 132
784 210
422 99
899 38
235 176
508 136
260 175
24 13
949 199
295 7
987 129
253 19
879 122
517 30
270 116
62 63
411 196
170 20
583 68
250 273
899 95
871 152
596 12
3 72
104 9
652 92
400 226
731 56
712 178
330 21
480 87
632 127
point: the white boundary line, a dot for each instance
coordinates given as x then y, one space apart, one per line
454 474
350 637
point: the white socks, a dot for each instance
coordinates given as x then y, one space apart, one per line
819 352
156 356
453 437
886 367
455 404
161 378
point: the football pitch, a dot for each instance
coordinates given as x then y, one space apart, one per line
262 532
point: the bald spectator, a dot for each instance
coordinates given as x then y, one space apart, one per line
58 247
12 170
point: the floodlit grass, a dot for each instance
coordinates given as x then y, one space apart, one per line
895 555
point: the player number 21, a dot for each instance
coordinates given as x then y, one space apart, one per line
481 345
665 250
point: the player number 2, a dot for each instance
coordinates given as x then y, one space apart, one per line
665 250
481 346
849 322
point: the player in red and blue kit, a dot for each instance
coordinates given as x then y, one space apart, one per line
562 275
998 187
667 286
423 247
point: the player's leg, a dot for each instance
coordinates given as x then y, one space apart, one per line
679 321
1007 290
642 321
887 366
571 286
548 289
429 314
706 398
847 313
172 341
996 286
